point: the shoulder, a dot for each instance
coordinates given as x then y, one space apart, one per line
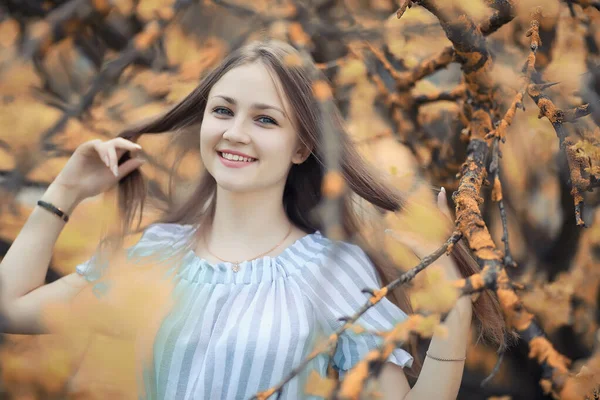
162 235
351 260
165 231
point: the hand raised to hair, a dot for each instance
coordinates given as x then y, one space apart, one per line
422 246
93 167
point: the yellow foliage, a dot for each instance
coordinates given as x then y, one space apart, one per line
147 9
23 122
401 255
411 48
351 72
179 90
426 326
142 112
439 294
9 30
79 238
7 163
363 122
524 8
155 84
125 7
16 75
55 360
585 148
193 57
417 230
595 170
333 184
551 302
358 329
475 9
384 152
572 60
119 304
115 319
47 170
317 385
588 377
422 218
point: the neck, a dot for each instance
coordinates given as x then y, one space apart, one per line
245 223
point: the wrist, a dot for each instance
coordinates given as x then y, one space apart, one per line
61 197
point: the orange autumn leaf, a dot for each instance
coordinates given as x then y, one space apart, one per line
316 385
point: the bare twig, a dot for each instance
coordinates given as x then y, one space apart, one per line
404 4
557 117
66 18
453 95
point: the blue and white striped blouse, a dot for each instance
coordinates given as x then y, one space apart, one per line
233 334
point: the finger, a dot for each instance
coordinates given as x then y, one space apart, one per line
112 157
418 247
129 166
442 202
132 152
102 153
122 145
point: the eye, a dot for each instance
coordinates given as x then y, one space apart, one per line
263 119
222 111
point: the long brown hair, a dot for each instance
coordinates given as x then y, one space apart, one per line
303 188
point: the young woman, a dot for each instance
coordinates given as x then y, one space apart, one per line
258 281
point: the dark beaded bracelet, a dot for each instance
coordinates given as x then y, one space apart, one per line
53 209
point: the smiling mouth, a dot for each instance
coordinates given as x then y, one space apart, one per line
236 158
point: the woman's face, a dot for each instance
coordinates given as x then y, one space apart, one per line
247 139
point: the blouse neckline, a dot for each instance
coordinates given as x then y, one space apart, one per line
284 254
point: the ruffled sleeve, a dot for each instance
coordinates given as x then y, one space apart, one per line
156 237
345 273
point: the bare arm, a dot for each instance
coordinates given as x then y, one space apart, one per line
438 379
23 269
92 169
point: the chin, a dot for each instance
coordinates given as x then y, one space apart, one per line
236 187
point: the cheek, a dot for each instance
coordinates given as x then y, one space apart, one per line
210 133
274 146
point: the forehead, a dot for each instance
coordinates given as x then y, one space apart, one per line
252 83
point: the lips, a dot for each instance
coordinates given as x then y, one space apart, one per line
239 157
235 161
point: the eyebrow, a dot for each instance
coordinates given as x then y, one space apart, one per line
258 106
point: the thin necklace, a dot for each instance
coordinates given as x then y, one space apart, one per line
236 264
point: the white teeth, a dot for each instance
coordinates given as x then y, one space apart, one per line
235 157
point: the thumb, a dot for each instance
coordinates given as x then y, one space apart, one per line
442 202
130 165
416 244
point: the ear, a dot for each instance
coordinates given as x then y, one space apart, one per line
301 154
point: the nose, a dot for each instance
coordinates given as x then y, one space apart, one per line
236 132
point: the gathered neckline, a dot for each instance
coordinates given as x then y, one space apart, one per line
281 255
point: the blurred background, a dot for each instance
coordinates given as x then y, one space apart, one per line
74 70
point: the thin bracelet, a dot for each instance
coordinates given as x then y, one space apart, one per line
53 209
445 359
